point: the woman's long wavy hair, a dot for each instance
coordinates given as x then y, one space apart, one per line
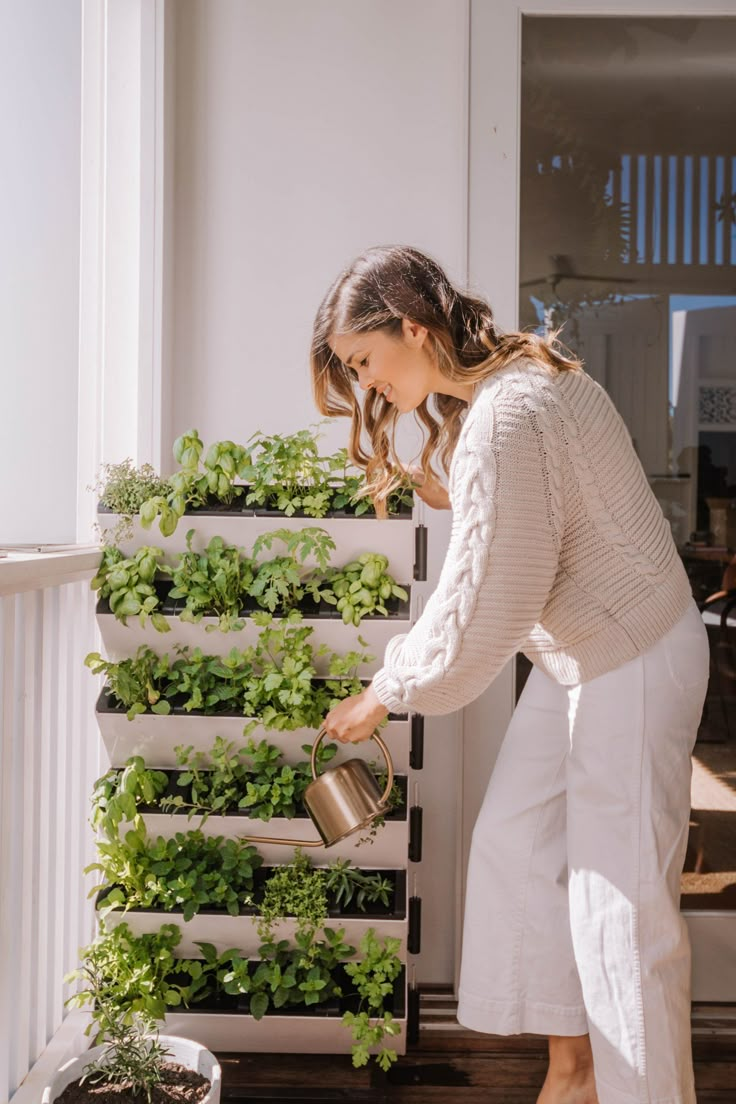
382 286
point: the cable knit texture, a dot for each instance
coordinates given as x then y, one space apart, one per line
559 548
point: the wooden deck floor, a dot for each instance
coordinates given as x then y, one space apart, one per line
450 1065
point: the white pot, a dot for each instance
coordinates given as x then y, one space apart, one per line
184 1051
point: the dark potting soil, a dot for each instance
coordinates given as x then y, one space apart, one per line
179 1086
214 506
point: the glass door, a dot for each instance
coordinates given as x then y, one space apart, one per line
627 237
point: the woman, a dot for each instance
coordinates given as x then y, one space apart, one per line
559 549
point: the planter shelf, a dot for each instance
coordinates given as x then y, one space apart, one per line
121 640
155 737
225 931
288 1034
394 537
389 845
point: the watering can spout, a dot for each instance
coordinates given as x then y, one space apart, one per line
342 800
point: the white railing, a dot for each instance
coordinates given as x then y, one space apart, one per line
49 758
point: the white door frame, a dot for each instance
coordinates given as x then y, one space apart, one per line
493 269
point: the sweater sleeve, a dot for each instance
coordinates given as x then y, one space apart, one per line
500 566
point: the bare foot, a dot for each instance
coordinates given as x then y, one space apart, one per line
569 1088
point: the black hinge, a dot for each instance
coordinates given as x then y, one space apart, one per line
420 553
414 935
415 833
416 752
412 1015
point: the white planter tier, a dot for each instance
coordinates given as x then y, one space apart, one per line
184 1051
155 737
273 1034
393 537
388 848
121 641
240 931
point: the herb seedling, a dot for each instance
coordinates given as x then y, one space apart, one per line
128 584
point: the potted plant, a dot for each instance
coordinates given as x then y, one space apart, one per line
133 1061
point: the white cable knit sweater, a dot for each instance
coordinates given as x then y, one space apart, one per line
559 548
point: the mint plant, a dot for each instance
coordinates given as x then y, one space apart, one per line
128 584
287 975
189 871
137 682
215 581
210 684
253 780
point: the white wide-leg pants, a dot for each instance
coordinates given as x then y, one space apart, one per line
572 920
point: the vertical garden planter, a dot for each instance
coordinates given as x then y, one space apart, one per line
155 737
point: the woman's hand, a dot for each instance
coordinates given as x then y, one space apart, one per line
429 488
355 718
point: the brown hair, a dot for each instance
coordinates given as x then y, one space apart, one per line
382 286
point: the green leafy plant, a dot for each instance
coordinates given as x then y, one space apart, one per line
289 474
140 973
190 487
252 779
346 882
210 684
358 589
273 683
123 488
279 583
300 890
373 975
118 793
128 584
295 889
287 975
190 871
141 976
136 682
224 463
215 581
284 692
134 1057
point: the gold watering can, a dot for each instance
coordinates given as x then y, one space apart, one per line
341 801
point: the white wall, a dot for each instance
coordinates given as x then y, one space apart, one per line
40 58
304 133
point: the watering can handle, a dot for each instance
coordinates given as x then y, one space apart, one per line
386 754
